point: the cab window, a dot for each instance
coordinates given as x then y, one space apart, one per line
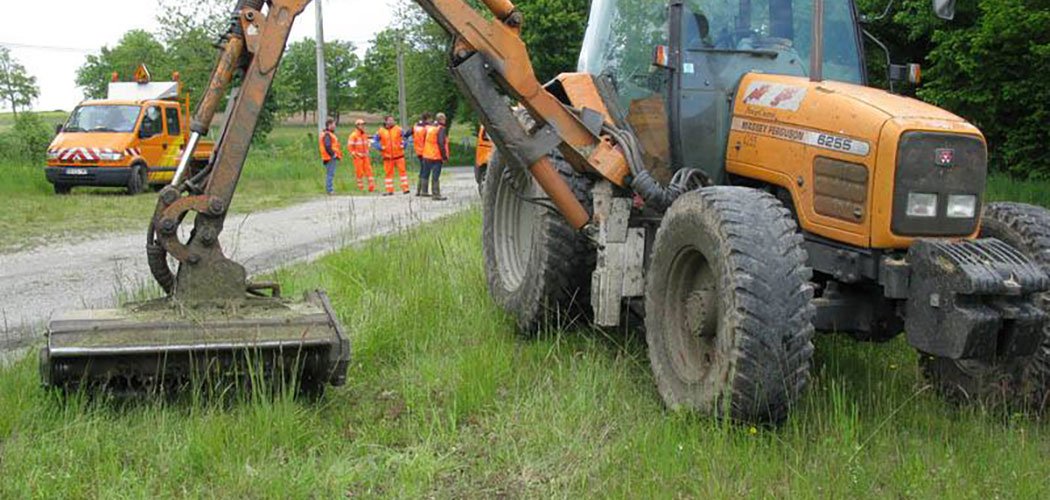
171 115
151 123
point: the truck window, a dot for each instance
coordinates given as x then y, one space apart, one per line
171 115
151 123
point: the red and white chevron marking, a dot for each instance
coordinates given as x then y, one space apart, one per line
88 154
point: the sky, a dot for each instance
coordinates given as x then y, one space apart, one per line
51 38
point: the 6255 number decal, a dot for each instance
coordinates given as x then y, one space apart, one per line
832 142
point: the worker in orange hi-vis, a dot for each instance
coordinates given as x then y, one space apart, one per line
331 153
435 155
419 137
357 145
391 142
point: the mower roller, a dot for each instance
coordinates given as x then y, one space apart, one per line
214 327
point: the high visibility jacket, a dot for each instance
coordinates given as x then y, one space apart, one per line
357 143
391 141
431 148
419 137
333 143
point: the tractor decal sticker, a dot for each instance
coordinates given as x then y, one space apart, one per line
813 138
774 95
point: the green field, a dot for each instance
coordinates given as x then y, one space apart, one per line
50 118
445 400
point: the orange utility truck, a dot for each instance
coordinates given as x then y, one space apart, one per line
131 139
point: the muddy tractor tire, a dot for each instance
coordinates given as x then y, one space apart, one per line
1020 382
538 267
729 312
137 179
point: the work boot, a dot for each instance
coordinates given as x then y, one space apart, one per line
437 190
422 190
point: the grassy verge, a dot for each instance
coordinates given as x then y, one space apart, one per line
445 400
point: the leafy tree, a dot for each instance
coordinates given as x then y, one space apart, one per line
297 78
189 31
377 75
17 87
134 48
553 31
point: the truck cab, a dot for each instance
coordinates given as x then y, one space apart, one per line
133 139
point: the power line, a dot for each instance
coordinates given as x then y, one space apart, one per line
17 45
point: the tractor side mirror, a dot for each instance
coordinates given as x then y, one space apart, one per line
911 73
58 128
944 9
662 56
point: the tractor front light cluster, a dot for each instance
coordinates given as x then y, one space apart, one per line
110 156
961 206
52 155
922 205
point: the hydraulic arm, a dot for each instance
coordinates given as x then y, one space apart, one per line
490 61
214 327
252 48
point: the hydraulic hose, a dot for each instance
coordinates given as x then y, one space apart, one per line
642 182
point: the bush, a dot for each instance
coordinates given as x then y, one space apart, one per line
993 72
988 65
27 140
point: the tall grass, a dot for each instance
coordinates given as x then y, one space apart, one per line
445 400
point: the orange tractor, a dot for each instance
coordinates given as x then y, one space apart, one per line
716 169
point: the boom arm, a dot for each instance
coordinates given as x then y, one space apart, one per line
252 48
488 57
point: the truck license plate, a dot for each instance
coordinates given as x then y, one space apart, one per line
76 171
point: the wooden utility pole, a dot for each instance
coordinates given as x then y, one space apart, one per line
322 80
402 98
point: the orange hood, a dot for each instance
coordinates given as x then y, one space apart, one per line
116 141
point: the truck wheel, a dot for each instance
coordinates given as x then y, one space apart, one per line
62 188
537 266
137 179
729 306
1019 382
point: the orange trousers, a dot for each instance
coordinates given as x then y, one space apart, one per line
363 169
389 166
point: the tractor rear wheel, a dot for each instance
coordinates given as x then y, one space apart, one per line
1017 382
729 306
537 266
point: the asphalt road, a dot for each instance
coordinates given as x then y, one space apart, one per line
88 274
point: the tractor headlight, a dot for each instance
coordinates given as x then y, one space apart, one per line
52 155
110 156
961 206
922 205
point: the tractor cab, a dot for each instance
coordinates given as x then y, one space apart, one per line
676 67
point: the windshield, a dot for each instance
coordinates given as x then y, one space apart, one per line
784 27
102 118
621 35
619 42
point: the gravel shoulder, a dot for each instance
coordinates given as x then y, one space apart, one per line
36 283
